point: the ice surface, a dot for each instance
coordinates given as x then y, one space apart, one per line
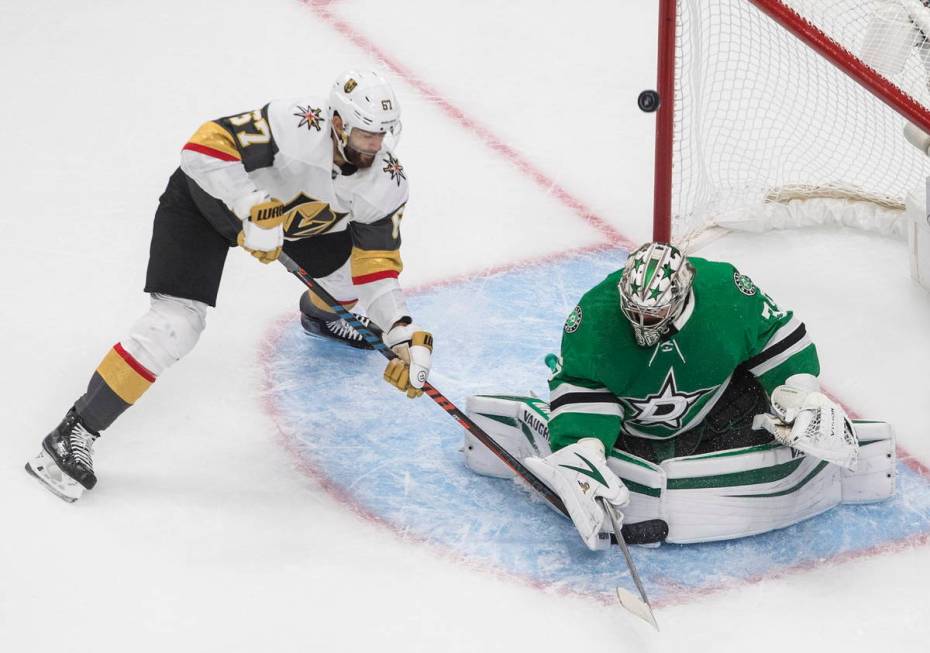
399 461
208 531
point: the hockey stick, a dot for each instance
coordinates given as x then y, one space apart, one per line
641 608
627 600
434 394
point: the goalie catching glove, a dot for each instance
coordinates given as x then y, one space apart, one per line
807 420
579 474
414 348
262 233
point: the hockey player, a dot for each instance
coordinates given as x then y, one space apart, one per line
313 177
663 365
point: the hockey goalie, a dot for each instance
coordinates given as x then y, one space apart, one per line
685 397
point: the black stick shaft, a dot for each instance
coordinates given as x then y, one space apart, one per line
428 388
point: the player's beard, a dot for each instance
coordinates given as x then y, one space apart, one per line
359 159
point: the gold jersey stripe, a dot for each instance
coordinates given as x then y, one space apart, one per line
213 136
119 375
372 261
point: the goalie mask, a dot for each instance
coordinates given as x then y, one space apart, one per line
654 289
365 102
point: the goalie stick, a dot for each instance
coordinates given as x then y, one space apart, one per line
627 600
639 607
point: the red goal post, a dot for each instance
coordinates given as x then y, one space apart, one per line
770 103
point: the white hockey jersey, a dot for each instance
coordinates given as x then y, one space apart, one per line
285 150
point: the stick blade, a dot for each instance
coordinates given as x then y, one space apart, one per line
637 606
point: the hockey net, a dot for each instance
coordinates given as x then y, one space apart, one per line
789 113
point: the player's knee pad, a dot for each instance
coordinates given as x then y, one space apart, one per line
339 284
167 332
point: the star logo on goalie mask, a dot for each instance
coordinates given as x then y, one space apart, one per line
309 116
394 168
668 407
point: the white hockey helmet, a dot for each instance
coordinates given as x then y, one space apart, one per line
364 100
654 290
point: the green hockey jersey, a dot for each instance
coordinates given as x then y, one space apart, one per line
605 384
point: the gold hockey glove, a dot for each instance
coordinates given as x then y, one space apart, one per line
414 348
262 233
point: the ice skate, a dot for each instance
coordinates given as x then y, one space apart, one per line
65 464
338 330
321 325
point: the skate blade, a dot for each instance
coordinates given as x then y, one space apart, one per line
53 479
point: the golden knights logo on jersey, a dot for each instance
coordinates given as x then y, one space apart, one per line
305 217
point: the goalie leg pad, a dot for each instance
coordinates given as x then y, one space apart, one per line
646 482
735 493
518 424
706 497
874 478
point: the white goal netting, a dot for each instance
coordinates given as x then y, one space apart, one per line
768 133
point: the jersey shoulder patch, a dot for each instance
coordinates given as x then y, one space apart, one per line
573 322
721 279
393 168
743 283
301 129
597 312
380 190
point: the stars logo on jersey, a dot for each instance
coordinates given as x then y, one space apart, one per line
744 284
667 407
394 168
573 322
309 116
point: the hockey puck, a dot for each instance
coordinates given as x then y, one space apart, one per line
648 101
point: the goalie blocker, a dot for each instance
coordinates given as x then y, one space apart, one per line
707 497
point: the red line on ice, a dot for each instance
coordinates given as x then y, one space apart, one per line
344 497
484 134
542 259
612 237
